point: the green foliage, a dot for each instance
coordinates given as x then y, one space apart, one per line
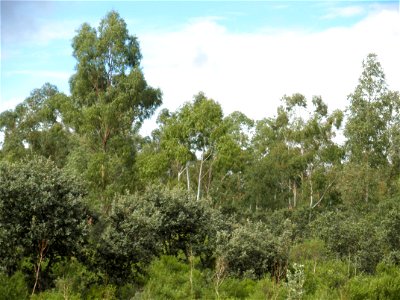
173 279
267 288
371 126
234 288
295 281
298 219
314 250
187 224
129 238
72 277
36 127
371 113
325 277
41 213
54 295
391 228
359 183
106 292
140 227
295 156
351 236
385 285
250 250
110 98
14 287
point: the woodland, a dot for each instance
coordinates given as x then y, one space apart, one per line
210 206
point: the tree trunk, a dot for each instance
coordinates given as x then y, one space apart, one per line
294 194
311 190
42 252
209 177
187 176
200 173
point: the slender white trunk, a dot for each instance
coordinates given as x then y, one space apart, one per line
294 194
200 173
43 245
179 176
187 176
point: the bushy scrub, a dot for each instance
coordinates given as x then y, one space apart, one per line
352 237
73 279
42 216
186 224
141 227
129 239
325 277
295 281
234 288
268 288
170 278
13 287
314 250
384 285
250 250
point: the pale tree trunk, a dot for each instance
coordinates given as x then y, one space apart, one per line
323 195
220 274
179 175
294 194
180 172
43 244
200 173
191 260
289 188
187 176
210 176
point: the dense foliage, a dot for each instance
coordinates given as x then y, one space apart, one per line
209 206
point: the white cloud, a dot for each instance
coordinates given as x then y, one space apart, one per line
250 72
343 12
6 104
55 31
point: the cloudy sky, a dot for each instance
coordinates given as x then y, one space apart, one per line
244 54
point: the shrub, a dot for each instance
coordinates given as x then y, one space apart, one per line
170 278
250 250
384 285
13 287
42 216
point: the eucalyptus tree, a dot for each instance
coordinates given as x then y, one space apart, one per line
373 116
198 148
234 155
187 140
293 152
111 98
323 154
202 123
36 126
278 163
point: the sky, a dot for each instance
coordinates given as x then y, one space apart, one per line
246 55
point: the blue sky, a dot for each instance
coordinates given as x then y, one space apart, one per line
244 54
